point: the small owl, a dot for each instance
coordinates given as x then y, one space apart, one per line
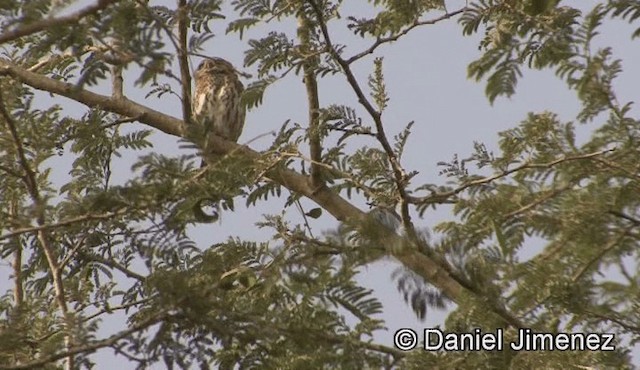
217 110
216 102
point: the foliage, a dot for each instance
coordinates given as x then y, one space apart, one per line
95 242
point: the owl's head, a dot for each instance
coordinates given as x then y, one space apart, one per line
216 66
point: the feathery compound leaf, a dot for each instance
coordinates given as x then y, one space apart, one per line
377 86
271 53
503 81
253 94
357 300
400 140
626 9
241 25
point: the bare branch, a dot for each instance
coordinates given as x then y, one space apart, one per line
185 75
117 81
417 23
311 84
437 197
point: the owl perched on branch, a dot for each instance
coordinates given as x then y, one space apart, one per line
216 105
216 109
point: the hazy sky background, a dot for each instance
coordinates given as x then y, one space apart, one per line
426 79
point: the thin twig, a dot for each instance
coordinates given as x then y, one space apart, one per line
550 194
10 171
18 291
601 253
304 217
115 265
111 309
617 167
633 220
90 347
333 171
417 23
69 255
624 325
580 271
433 198
360 131
70 221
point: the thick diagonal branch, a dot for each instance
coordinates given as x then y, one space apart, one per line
333 203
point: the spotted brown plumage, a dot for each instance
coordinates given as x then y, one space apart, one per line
216 102
216 109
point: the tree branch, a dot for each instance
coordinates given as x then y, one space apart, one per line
596 259
417 23
60 224
437 197
311 84
633 220
44 24
619 322
398 171
185 75
333 203
18 291
580 271
113 264
549 195
31 185
90 347
401 180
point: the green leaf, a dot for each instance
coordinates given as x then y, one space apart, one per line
314 213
